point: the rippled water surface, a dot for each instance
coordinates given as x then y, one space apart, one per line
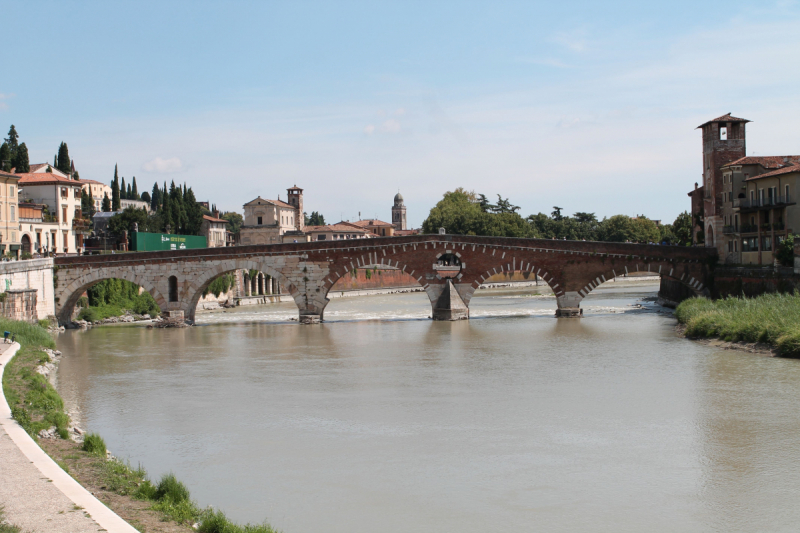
380 420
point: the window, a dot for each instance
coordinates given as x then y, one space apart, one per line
63 215
66 241
735 246
752 197
766 244
63 192
259 221
11 191
787 193
76 193
723 133
13 214
750 244
173 289
320 237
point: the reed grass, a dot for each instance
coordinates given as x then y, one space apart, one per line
94 444
772 319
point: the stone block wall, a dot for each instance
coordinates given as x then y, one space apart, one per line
33 274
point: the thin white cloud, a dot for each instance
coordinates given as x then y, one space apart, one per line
391 126
369 129
163 166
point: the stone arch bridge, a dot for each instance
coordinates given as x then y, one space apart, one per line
449 268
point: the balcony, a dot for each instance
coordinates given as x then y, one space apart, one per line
727 230
749 228
762 203
80 225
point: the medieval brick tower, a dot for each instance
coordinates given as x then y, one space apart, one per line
399 213
723 142
295 197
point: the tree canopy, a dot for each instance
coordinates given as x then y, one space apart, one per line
465 213
63 162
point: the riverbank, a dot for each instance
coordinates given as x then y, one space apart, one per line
54 480
769 323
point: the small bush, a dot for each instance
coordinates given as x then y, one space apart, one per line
145 491
89 314
169 488
217 522
22 416
94 444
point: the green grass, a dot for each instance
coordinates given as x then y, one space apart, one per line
94 444
772 319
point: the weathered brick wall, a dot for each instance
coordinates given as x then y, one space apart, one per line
378 279
752 282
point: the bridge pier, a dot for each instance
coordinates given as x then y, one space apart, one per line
450 305
569 305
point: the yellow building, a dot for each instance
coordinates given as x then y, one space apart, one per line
759 207
9 209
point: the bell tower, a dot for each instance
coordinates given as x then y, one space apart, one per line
399 213
723 142
295 199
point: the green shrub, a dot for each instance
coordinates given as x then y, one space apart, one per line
94 444
169 488
145 491
22 416
89 314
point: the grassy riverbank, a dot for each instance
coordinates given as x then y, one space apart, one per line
150 506
772 319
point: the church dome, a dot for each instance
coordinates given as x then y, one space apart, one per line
398 199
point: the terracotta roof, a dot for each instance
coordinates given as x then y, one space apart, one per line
271 202
338 227
93 182
7 175
212 219
724 118
785 170
770 161
45 179
371 223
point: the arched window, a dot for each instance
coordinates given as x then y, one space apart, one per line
173 289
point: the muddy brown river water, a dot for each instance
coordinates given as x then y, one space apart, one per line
380 420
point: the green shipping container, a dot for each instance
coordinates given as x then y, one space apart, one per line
152 242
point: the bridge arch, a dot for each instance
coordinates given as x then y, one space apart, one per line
69 295
197 285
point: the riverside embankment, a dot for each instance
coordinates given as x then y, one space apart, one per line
770 321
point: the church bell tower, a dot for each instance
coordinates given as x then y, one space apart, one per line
399 213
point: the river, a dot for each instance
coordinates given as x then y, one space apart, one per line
380 420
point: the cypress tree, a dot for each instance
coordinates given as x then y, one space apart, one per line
135 191
166 212
129 194
115 191
155 198
194 214
106 205
123 193
13 142
165 193
55 161
177 213
63 161
92 209
21 160
5 157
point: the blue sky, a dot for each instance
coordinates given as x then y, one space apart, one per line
588 106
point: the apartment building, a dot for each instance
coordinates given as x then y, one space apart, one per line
9 207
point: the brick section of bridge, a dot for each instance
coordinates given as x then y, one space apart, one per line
309 270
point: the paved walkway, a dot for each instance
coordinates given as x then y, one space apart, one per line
37 495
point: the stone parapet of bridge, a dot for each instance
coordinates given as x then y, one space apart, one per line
572 269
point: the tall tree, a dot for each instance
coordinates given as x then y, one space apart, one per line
166 212
115 191
5 157
129 194
135 190
123 192
106 205
155 198
75 174
63 162
145 197
13 142
194 213
177 211
21 160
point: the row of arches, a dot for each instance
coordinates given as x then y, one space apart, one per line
258 283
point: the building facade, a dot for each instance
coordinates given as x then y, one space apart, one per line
98 190
746 205
214 229
399 213
62 196
9 209
266 221
336 232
